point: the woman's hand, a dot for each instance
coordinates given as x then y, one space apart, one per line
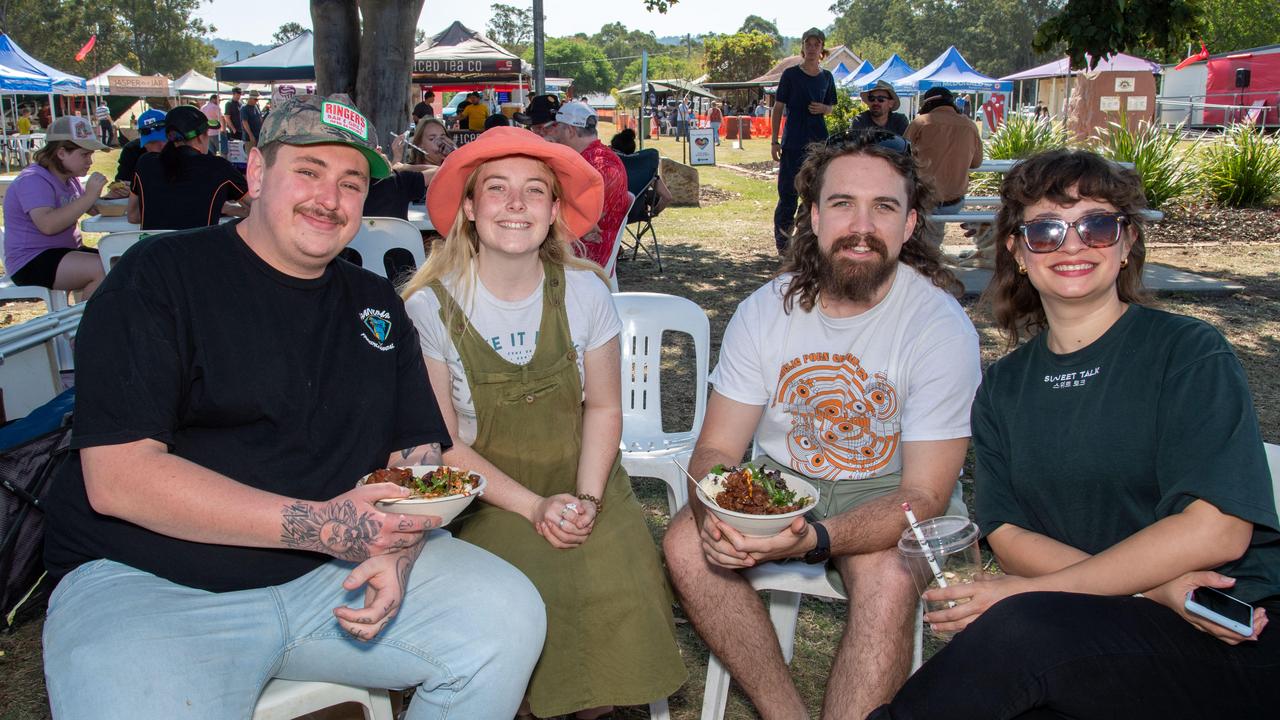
1173 595
554 518
94 185
971 600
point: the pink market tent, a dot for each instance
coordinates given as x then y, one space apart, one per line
1062 67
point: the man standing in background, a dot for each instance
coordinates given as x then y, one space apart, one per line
807 92
232 125
211 111
103 113
251 119
947 146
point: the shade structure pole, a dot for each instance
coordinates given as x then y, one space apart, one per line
539 69
53 111
644 85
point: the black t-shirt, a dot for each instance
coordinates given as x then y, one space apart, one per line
195 199
896 124
232 110
1092 446
251 116
294 386
129 155
796 89
391 196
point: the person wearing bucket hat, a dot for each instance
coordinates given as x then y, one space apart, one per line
504 310
42 244
948 146
183 186
222 492
151 139
806 94
882 110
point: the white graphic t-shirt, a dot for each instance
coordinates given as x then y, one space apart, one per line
842 394
511 328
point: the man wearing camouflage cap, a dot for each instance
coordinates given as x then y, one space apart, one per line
234 384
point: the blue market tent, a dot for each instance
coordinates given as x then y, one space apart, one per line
293 61
893 69
839 72
15 58
853 77
17 81
950 70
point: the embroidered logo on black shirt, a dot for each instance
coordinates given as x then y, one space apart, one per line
378 323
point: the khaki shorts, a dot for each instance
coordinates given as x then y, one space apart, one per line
837 496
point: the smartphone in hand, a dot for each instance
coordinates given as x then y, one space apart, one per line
1220 608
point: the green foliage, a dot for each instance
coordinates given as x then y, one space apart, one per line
511 27
577 59
1156 156
1227 25
1100 27
1242 169
755 23
738 57
994 35
847 107
149 37
662 67
287 32
622 47
1019 137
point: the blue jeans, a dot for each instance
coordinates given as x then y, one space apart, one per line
223 139
122 643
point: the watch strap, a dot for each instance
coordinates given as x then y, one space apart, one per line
822 551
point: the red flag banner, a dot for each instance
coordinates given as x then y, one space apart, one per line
1202 55
84 51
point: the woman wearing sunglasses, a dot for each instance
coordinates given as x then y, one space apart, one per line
1119 466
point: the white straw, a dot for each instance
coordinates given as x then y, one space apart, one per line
924 546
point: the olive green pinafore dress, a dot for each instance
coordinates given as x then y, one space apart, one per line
610 634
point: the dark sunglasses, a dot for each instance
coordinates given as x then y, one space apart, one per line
877 98
1098 230
865 138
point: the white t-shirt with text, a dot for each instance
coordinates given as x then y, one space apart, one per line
511 328
841 395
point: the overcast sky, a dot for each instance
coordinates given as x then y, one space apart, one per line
255 21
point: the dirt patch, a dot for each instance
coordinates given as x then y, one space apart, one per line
1209 224
712 195
761 167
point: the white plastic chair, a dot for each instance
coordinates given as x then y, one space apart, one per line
287 699
53 300
611 267
1273 461
647 451
384 244
111 247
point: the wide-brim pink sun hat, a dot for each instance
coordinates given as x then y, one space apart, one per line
582 188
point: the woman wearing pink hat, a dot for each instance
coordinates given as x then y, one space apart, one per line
521 345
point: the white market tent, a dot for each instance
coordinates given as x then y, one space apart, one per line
98 85
293 61
194 83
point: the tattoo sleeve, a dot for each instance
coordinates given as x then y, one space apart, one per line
428 454
332 528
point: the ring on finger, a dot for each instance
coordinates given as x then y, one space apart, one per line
561 523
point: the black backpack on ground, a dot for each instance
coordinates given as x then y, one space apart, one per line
31 448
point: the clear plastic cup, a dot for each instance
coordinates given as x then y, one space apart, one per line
952 541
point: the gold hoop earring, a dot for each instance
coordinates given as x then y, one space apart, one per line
1124 263
1022 269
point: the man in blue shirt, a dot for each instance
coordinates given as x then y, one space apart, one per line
808 92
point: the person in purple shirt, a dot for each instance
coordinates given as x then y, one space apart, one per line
41 240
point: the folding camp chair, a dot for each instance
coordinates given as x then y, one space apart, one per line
642 180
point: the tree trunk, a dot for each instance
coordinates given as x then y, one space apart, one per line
337 46
386 62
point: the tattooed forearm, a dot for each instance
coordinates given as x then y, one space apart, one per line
428 454
333 528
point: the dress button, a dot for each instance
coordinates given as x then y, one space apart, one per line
528 399
573 354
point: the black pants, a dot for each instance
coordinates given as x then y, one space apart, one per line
1063 655
784 215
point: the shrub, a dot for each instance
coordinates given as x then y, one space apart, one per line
1018 137
1166 173
1242 169
842 114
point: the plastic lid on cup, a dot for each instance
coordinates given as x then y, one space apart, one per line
942 535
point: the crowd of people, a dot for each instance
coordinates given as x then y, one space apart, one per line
215 484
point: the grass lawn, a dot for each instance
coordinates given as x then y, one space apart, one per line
716 255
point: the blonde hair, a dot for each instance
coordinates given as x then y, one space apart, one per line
415 157
455 256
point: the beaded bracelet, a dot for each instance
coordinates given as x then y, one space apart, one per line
598 502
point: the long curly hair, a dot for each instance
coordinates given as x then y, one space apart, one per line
1062 177
804 257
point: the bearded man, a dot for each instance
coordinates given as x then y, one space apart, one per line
855 368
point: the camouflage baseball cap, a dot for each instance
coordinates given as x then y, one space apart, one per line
316 120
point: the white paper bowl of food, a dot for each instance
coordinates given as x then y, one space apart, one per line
439 490
750 516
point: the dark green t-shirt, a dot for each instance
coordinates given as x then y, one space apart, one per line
1092 446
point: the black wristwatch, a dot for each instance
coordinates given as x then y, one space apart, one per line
822 551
